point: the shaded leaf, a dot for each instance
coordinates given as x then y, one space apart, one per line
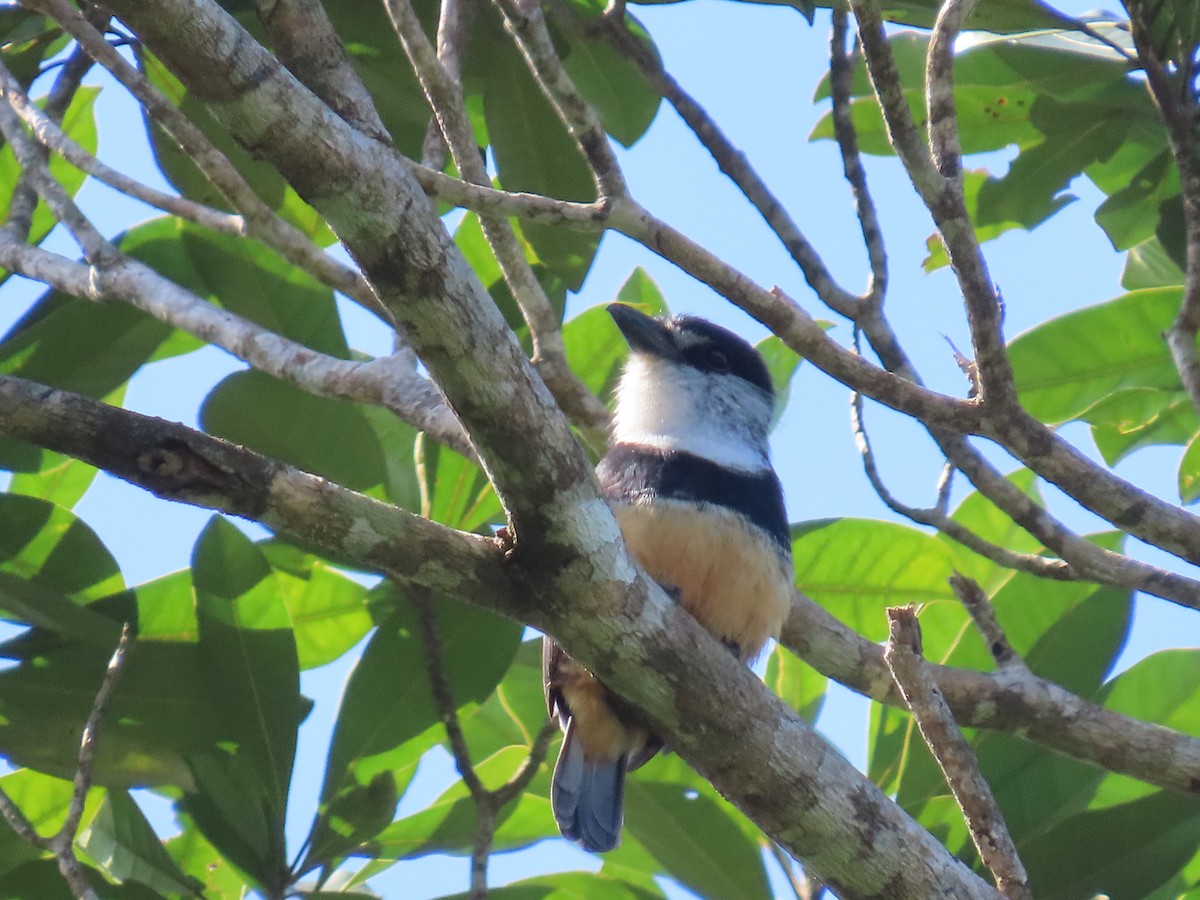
121 842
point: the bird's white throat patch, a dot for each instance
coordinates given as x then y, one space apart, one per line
669 406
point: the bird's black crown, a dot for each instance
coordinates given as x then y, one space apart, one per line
711 348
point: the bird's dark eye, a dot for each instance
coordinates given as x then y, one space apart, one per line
717 361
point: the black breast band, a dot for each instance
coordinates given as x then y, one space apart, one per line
630 473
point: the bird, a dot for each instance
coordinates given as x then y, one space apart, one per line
688 475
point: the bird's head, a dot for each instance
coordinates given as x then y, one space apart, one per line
692 386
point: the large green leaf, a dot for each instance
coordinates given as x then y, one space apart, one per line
456 491
593 343
124 846
981 516
607 79
387 717
249 655
1130 215
513 713
1130 419
1067 364
27 39
566 886
317 434
79 123
49 546
694 841
1123 851
535 154
795 682
200 860
243 276
856 568
160 712
448 824
183 174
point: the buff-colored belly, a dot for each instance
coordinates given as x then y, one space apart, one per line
729 575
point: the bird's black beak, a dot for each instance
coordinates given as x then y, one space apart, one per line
643 333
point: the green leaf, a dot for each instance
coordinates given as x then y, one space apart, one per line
1123 851
1128 420
694 841
857 567
1189 471
564 886
594 345
356 815
387 717
317 434
1067 364
48 546
124 846
448 824
185 177
249 655
244 277
1075 136
1130 216
159 712
980 515
60 479
535 154
796 683
514 713
1001 16
457 492
200 860
782 362
26 41
1148 266
608 80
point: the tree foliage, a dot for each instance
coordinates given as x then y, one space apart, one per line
473 501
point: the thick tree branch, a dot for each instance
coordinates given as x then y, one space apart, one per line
306 42
114 276
953 754
177 463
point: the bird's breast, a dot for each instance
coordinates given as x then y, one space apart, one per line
729 574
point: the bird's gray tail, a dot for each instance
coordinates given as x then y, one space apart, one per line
587 796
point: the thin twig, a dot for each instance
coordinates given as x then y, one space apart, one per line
841 75
730 160
1180 110
62 843
263 222
937 515
454 21
939 88
973 598
488 803
527 24
445 98
953 754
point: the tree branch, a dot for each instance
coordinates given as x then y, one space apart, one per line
306 42
444 94
262 221
953 754
62 843
730 160
1181 113
526 22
